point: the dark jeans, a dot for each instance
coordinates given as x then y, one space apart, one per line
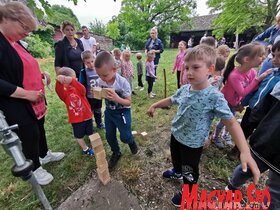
239 178
121 119
96 106
33 138
140 83
156 61
185 160
178 79
247 126
150 81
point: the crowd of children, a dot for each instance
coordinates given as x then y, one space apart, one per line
209 85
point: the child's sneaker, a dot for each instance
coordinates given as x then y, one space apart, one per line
141 88
219 144
171 174
51 156
133 148
153 94
101 126
177 199
42 176
88 152
114 160
227 139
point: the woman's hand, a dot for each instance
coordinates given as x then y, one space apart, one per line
47 77
30 95
34 96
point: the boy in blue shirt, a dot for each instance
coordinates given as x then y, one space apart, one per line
88 77
118 102
198 103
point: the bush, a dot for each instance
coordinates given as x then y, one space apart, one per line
37 47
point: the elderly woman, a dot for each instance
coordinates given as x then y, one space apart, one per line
21 88
68 50
271 34
154 44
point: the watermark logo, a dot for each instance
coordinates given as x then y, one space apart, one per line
224 199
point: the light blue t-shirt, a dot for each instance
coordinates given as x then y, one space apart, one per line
196 110
121 87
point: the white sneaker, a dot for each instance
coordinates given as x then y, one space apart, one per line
51 156
153 94
43 177
141 88
227 139
150 95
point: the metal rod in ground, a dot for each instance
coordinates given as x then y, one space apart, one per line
39 192
164 77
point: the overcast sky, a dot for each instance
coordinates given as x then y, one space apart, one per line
104 9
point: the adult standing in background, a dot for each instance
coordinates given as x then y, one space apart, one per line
88 41
22 91
155 45
271 33
68 50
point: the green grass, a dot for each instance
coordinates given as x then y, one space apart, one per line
75 169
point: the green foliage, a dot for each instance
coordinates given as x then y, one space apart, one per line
41 7
136 18
37 47
97 27
61 13
240 15
112 30
45 33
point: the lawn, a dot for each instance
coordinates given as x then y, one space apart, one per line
74 169
139 173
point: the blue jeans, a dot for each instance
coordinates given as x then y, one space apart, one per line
239 178
121 119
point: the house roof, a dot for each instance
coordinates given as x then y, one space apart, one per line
200 23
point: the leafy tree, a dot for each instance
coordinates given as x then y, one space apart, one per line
139 16
61 13
112 30
240 15
37 47
97 27
45 33
43 7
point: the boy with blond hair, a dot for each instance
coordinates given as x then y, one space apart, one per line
198 103
88 77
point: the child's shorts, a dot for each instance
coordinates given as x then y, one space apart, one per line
82 128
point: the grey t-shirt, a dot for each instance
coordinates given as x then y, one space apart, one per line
92 78
121 87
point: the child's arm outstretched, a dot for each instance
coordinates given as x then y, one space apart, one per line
160 104
240 141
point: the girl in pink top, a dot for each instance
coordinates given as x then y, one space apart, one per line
179 62
239 81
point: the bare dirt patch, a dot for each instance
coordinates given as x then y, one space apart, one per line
138 183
